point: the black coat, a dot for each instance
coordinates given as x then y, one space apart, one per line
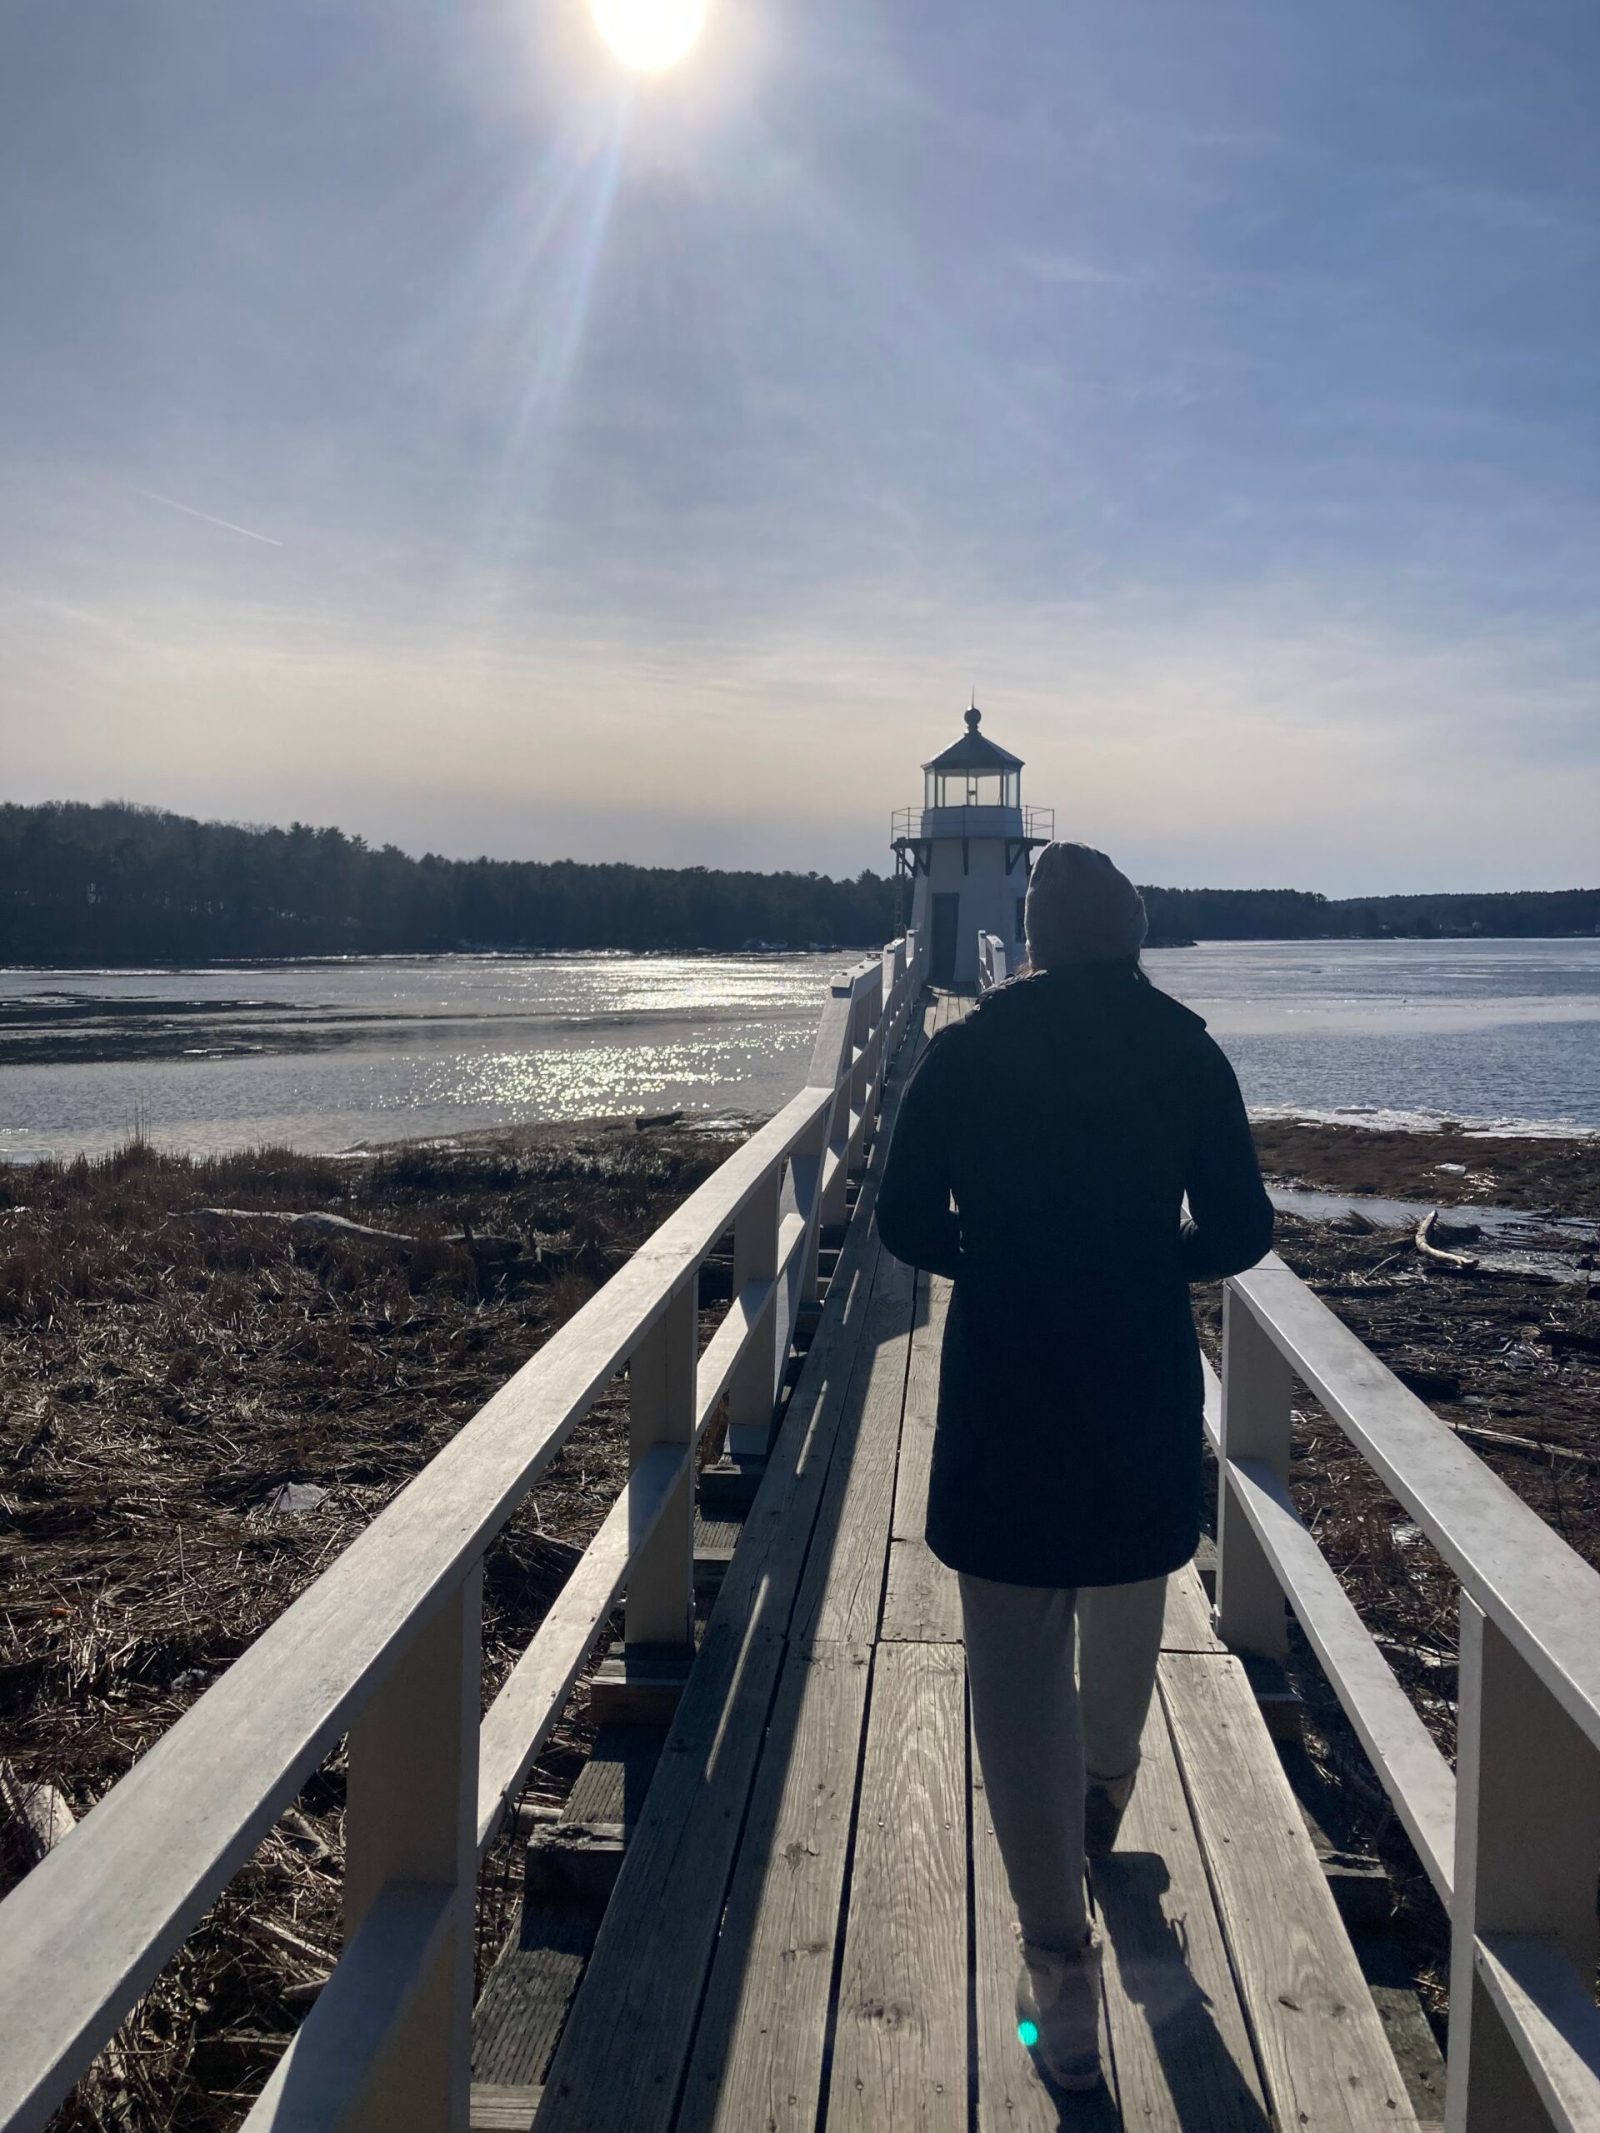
1067 1116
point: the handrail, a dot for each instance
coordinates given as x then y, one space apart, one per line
994 964
1511 1841
385 1646
998 818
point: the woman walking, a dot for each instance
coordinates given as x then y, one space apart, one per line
1068 1117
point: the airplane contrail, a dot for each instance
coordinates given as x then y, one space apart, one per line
189 511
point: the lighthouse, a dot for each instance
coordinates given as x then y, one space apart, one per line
966 852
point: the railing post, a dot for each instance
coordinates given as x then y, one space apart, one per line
1257 1385
892 1012
841 1069
753 1392
806 1166
411 1804
661 1410
1527 1854
872 1062
859 1078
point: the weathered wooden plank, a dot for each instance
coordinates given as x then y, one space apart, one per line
1187 1625
1178 2033
778 1529
613 1783
842 1590
678 1864
759 2048
672 1883
524 2003
922 1396
1322 2049
1013 2096
921 1600
713 1534
502 2107
900 2048
767 1566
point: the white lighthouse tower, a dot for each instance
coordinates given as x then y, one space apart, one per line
967 851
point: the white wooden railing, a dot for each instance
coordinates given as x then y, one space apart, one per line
1511 1839
385 1648
994 965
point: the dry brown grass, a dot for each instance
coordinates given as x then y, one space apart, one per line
161 1380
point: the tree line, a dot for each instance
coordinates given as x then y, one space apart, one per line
1302 914
123 884
120 884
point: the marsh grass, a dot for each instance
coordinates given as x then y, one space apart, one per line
162 1378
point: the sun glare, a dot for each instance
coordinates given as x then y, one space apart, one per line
649 34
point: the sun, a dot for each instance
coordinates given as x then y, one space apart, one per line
649 34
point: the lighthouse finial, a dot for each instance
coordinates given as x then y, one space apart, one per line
973 713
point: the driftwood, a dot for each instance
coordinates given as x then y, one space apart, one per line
1506 1442
38 1812
304 1835
267 1928
1429 1250
320 1224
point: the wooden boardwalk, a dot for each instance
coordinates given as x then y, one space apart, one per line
810 1927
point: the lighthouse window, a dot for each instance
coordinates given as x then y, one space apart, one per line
972 788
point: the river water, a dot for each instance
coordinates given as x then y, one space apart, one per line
1501 1035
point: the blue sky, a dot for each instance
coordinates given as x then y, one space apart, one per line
410 420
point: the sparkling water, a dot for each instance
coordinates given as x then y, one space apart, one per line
1500 1035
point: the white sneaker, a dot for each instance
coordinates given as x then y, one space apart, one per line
1058 2011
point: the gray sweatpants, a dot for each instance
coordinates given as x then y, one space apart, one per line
1040 1724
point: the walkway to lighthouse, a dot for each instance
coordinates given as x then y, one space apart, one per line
776 1904
810 1928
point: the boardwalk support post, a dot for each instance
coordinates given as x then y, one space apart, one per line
661 1410
1256 1388
752 1395
867 1037
807 1167
1527 1853
411 1822
838 1030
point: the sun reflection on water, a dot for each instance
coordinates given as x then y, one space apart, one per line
603 1080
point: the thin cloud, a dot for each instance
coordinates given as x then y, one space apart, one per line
1062 270
206 517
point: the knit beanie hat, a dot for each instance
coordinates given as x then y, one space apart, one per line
1081 909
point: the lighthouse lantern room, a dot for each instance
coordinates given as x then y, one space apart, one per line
966 852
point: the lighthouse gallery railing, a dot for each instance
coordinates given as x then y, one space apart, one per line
385 1648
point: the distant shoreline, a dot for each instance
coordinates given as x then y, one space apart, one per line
177 966
117 884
